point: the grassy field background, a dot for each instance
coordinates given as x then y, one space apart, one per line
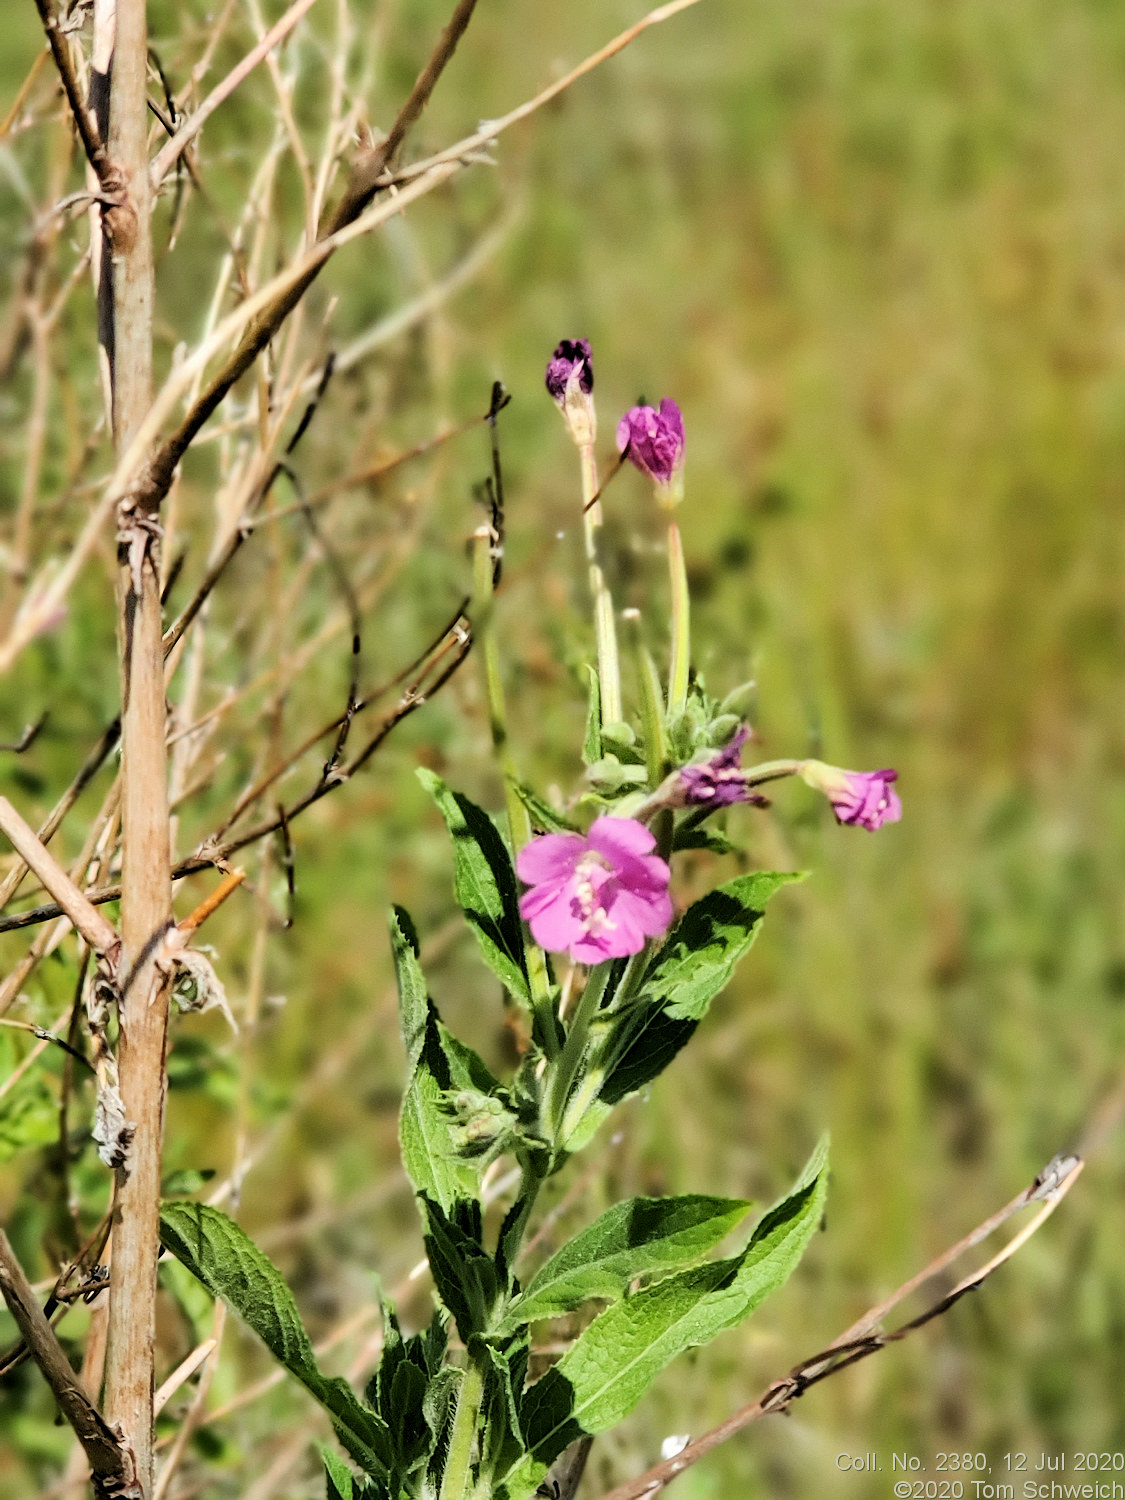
876 250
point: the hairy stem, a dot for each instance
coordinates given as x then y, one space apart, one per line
573 1109
568 1065
455 1481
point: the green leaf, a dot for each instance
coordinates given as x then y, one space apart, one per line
635 1238
543 815
707 942
484 883
185 1181
691 968
592 741
437 1062
702 838
464 1274
607 1371
342 1484
228 1263
501 1442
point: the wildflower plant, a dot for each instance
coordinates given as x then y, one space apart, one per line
574 912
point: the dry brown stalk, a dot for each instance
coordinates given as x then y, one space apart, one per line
145 879
147 475
96 929
88 133
111 1461
168 154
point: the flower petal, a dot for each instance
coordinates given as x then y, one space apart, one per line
550 857
620 838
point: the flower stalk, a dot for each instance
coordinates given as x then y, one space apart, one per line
680 656
605 630
567 1068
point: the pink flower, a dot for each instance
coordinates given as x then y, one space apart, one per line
654 441
865 799
596 896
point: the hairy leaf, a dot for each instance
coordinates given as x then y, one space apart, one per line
635 1238
342 1484
484 883
543 816
228 1263
438 1062
606 1372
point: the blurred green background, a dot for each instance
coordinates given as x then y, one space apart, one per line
876 250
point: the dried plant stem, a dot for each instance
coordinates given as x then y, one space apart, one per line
110 1459
96 929
145 875
167 156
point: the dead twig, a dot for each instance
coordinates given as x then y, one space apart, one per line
111 1461
98 932
169 153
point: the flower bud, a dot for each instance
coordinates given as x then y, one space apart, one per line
653 440
864 799
570 381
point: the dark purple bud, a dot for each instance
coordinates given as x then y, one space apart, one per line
654 441
719 781
572 360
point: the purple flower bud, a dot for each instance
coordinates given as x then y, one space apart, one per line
719 781
570 380
654 441
865 799
572 360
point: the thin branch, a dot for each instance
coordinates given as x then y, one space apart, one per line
182 1373
168 154
89 768
110 1459
92 143
490 130
225 888
369 169
862 1339
437 666
257 320
98 932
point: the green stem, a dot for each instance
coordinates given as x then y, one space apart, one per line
605 633
519 823
652 703
591 1085
772 770
680 659
455 1480
566 1068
